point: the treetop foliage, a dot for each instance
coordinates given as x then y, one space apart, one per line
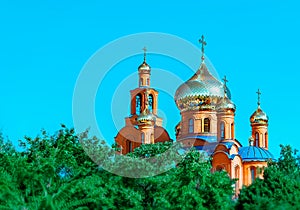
67 171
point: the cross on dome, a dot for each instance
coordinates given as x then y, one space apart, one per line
203 44
258 97
225 85
145 50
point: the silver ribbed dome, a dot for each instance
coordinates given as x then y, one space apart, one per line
259 116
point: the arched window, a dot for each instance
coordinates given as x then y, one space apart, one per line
143 138
191 125
150 101
141 82
232 130
222 129
129 146
148 81
206 125
138 104
253 173
256 139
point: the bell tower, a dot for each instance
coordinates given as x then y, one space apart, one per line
143 125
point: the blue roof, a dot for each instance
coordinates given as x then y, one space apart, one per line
205 138
252 153
208 148
228 145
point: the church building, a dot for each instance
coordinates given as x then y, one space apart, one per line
207 123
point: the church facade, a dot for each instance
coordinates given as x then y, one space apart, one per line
207 123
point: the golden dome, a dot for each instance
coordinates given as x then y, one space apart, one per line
226 104
144 67
146 118
200 87
259 116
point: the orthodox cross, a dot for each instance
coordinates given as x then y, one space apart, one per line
203 43
225 85
258 97
145 50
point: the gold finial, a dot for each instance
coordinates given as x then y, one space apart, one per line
258 97
145 50
225 85
203 43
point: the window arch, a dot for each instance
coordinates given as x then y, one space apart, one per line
138 104
253 173
148 81
191 125
206 125
150 103
142 138
222 129
141 81
257 139
129 146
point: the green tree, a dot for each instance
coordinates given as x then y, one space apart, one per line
280 188
66 171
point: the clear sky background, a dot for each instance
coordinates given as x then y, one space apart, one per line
45 44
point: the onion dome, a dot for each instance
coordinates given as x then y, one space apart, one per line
146 117
259 116
226 104
201 89
144 67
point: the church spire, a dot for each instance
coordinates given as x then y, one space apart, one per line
203 44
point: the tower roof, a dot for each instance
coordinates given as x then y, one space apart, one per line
259 116
144 66
145 118
202 90
201 85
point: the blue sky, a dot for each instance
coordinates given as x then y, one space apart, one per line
45 44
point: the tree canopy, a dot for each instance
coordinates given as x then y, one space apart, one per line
68 171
